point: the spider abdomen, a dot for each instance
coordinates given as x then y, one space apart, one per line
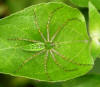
34 47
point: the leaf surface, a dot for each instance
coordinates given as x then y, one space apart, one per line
61 28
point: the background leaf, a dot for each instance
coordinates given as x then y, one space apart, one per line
94 29
91 80
63 31
16 5
85 81
84 3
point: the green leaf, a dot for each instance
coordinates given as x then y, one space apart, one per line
17 5
85 81
61 28
90 80
84 3
47 84
94 29
80 3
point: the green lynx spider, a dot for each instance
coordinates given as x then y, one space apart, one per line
48 46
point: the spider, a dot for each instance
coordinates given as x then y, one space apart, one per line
48 46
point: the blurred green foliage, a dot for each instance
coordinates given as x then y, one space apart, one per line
17 5
84 3
90 80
